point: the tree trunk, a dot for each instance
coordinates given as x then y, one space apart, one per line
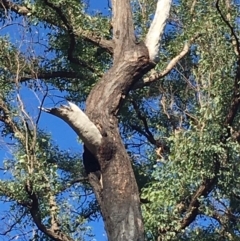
117 192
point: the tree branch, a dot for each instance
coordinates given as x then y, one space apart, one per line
147 133
123 28
80 123
49 75
21 10
156 76
51 232
88 35
7 119
235 103
10 227
155 32
91 37
71 35
193 206
205 188
236 41
72 182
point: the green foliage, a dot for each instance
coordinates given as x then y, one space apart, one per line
183 146
201 149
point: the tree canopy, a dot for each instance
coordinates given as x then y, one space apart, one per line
153 94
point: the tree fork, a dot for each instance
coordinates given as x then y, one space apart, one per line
118 197
117 191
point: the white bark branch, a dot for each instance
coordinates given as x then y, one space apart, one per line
158 75
156 29
79 122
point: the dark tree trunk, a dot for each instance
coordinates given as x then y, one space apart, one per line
117 193
116 190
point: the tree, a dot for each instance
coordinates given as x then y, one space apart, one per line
181 97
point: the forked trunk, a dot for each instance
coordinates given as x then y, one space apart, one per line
117 192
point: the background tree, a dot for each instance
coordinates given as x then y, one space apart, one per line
161 138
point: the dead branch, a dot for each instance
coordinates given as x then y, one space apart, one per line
80 123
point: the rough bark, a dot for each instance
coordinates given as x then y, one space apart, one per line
116 190
118 194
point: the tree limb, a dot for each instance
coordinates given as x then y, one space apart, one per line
236 41
156 76
123 28
54 234
156 29
71 35
147 133
236 95
19 9
205 188
91 37
72 182
80 123
49 75
88 35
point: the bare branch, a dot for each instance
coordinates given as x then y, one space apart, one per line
80 123
156 76
156 29
10 227
19 9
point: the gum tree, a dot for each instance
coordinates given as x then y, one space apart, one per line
163 73
116 190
